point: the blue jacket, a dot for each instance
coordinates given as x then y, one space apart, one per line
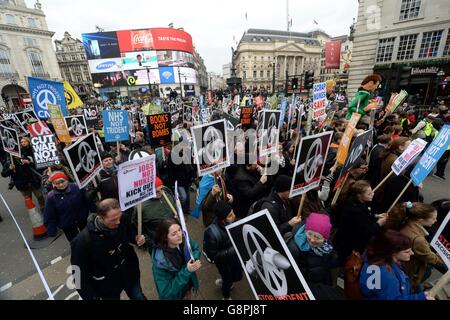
394 284
65 209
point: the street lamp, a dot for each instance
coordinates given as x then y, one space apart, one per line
179 79
148 77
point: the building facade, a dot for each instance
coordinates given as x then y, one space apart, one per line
407 42
74 65
202 73
216 81
26 49
226 71
261 54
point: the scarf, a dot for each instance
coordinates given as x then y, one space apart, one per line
112 171
99 226
303 244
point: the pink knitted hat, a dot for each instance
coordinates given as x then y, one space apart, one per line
320 223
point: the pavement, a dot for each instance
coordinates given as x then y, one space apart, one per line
19 279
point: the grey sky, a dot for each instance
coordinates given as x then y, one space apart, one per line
211 23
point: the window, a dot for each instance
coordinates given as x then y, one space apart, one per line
79 79
406 47
268 73
10 19
5 64
261 74
29 41
409 9
36 63
430 44
73 57
385 48
447 45
32 23
254 74
244 75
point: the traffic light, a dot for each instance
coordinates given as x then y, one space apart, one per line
309 79
294 83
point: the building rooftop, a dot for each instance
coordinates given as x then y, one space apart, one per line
265 35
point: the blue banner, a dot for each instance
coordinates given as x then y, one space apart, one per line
45 92
115 125
431 156
167 75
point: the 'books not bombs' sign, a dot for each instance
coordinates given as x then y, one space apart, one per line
160 129
45 152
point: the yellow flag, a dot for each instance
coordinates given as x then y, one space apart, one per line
73 101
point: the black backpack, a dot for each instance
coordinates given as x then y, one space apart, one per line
216 234
257 205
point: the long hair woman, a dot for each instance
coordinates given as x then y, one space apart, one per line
382 276
411 219
173 268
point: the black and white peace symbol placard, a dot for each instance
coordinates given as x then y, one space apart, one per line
211 147
84 159
77 127
10 141
313 151
267 262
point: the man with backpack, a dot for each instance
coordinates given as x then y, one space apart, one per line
279 206
219 250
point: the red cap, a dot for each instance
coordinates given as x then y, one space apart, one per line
58 175
159 182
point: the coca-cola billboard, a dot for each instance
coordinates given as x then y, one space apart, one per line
154 39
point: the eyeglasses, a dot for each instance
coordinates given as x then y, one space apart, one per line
315 236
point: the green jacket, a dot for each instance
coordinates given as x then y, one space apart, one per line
364 97
154 211
171 280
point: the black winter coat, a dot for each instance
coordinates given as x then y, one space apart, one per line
392 188
357 226
24 179
248 189
106 260
219 249
315 269
280 211
108 185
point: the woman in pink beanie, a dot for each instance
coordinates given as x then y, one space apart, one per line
311 250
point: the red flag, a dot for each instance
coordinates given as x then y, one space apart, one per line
333 55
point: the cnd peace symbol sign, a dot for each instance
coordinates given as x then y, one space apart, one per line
313 160
45 97
213 144
188 114
86 156
268 263
9 141
76 126
27 117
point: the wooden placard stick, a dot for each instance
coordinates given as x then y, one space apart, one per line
300 207
383 181
400 195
